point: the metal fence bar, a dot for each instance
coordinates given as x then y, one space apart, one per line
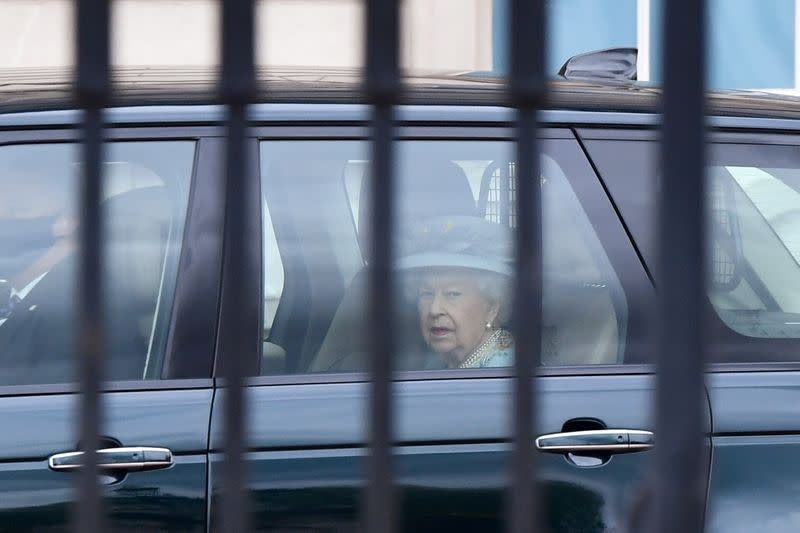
382 88
93 89
237 89
679 456
527 90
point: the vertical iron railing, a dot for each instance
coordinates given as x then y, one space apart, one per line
382 90
93 87
526 91
680 467
679 479
237 89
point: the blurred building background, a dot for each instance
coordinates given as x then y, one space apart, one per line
752 43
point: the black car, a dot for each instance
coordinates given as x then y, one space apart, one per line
455 198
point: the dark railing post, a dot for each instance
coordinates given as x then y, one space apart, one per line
382 88
527 90
93 88
679 455
237 89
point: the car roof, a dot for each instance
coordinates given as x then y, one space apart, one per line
28 90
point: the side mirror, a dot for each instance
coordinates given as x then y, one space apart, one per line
616 64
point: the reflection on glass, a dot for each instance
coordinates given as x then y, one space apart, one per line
145 195
454 219
753 250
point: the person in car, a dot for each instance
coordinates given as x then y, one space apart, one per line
37 231
459 272
38 283
37 273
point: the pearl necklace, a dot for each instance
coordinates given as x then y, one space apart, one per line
475 359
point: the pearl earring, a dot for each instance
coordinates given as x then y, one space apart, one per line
489 325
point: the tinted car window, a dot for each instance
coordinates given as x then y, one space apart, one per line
754 282
753 246
455 215
145 194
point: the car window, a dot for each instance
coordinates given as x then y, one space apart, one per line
455 214
145 192
754 279
753 245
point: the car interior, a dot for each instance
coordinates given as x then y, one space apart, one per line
143 208
320 319
137 252
754 271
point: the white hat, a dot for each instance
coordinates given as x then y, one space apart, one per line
457 241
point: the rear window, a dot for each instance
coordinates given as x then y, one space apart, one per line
753 244
754 279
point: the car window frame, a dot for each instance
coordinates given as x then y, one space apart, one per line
189 353
592 197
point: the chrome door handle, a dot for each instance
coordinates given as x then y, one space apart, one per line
609 441
125 459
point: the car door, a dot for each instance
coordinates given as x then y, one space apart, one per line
307 411
162 259
753 189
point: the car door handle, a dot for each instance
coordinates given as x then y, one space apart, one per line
610 441
123 459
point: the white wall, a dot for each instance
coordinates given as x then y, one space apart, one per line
35 33
438 34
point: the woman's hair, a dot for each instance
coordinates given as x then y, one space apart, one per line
495 287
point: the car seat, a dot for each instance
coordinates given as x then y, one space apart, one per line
579 320
139 226
136 226
579 317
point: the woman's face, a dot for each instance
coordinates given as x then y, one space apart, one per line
453 313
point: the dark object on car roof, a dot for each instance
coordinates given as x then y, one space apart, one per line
610 64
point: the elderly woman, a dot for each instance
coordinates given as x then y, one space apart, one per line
460 268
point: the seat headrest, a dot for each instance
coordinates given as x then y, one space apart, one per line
137 223
426 188
148 202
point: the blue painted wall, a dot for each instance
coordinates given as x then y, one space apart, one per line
575 26
750 44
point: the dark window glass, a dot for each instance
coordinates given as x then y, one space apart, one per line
753 246
145 194
455 215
